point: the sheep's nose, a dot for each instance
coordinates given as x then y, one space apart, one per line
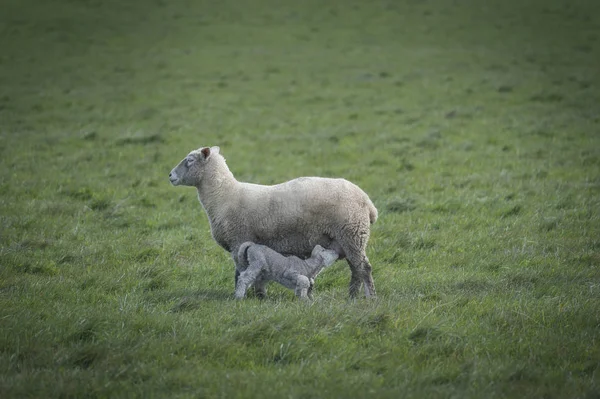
170 174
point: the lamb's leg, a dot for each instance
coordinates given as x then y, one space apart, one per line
302 286
246 278
260 288
259 285
310 289
241 285
234 256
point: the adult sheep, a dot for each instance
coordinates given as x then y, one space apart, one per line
290 218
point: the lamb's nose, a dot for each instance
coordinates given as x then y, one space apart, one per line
170 174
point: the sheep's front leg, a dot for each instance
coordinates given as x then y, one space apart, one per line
302 286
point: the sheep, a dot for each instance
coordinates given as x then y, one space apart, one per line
290 218
262 264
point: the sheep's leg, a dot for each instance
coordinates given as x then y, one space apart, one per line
354 259
360 267
302 286
361 275
368 282
353 241
355 280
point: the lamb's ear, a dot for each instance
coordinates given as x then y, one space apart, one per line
215 149
317 250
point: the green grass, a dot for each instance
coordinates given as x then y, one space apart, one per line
473 126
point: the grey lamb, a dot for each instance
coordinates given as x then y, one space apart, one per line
291 217
261 264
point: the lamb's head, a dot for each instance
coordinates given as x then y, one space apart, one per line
327 256
190 171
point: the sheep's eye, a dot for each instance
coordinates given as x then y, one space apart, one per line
189 161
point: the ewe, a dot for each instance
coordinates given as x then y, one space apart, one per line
290 218
260 264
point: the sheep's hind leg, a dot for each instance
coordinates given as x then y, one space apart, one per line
354 243
361 274
367 276
354 280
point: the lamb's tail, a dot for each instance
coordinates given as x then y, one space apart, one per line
243 254
372 211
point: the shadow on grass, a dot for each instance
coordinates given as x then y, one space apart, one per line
184 300
193 300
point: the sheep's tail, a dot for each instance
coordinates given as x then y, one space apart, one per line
372 211
243 254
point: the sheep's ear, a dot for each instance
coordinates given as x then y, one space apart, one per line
205 152
215 149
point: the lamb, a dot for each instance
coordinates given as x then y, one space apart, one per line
291 218
262 264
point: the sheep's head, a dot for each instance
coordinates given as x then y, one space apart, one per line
190 169
327 256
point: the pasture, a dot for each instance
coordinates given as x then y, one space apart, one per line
473 126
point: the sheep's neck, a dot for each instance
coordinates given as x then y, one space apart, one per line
214 193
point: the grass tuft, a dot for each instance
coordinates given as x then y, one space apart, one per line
511 211
423 335
141 139
100 204
399 205
145 255
86 357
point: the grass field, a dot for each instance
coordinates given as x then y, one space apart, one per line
473 126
